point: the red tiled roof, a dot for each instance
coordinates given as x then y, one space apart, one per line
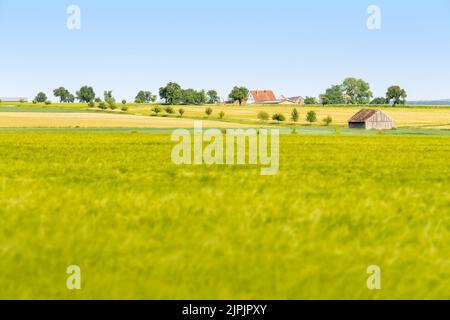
263 95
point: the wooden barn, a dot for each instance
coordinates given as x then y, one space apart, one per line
371 119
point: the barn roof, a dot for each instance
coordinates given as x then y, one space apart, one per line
363 115
263 95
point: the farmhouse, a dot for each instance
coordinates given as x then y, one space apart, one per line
371 119
292 100
262 97
268 97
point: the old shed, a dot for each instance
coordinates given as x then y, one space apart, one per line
371 119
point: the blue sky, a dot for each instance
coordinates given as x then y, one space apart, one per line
291 46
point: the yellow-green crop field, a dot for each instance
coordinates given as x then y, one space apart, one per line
27 115
141 227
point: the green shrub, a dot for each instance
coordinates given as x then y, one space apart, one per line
278 117
294 115
48 102
156 110
264 116
209 111
124 101
124 108
221 115
327 120
181 112
91 104
169 110
102 105
311 117
112 105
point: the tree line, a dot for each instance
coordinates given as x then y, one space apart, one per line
352 91
357 91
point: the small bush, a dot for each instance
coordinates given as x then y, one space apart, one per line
264 116
124 108
138 101
294 115
181 112
221 115
311 117
278 117
156 110
102 105
48 102
34 102
328 120
91 104
112 105
169 110
209 111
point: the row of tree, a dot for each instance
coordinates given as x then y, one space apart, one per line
172 93
357 91
351 91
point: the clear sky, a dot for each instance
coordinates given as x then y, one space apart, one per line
294 47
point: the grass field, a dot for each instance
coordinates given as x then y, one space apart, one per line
141 227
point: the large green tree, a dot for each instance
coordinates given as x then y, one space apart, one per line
333 95
239 94
188 96
86 94
396 95
213 97
171 93
145 97
201 97
310 100
108 96
40 97
356 91
63 94
379 101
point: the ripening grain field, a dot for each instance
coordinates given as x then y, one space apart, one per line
141 227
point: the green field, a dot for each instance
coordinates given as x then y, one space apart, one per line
141 227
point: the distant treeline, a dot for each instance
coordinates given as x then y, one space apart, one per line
352 91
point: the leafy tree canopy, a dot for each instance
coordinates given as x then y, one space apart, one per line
63 94
333 95
239 94
145 97
40 97
396 94
357 91
85 94
171 93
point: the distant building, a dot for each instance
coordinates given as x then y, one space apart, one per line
13 99
371 119
292 100
267 97
262 97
